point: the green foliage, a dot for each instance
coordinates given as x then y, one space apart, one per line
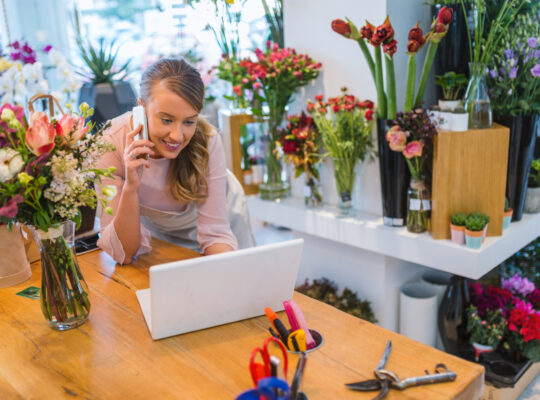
488 330
459 219
274 19
534 176
475 222
326 291
451 84
506 206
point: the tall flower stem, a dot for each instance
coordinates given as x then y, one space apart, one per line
409 91
369 59
390 87
381 98
428 62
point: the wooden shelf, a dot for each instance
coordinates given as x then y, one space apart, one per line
367 232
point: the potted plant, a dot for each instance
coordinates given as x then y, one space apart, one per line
507 216
474 230
486 331
457 227
451 84
460 119
532 198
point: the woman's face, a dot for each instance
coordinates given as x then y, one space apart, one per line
171 121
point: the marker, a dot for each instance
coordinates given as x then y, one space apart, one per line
278 325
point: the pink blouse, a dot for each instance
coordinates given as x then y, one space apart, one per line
154 191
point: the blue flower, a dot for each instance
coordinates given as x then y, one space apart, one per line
513 73
532 42
509 53
535 71
493 73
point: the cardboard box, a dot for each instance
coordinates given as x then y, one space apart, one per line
493 393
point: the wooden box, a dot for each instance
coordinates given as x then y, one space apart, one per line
231 129
469 174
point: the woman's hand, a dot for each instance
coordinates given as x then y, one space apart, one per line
135 158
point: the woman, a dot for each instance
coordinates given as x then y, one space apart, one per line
173 185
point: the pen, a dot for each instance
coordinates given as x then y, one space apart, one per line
283 333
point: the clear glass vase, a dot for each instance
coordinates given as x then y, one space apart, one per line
312 191
345 177
477 102
418 206
64 293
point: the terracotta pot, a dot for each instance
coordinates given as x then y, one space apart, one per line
507 218
14 266
458 233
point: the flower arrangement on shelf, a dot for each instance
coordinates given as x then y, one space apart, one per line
412 135
47 168
518 300
345 125
300 144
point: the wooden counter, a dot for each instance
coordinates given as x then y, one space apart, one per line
112 356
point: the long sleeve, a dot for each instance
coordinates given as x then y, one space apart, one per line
109 241
212 223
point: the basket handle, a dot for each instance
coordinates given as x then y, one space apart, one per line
51 99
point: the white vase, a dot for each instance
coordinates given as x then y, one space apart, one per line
449 105
460 122
418 312
438 280
532 201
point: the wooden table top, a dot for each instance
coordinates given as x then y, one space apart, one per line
112 356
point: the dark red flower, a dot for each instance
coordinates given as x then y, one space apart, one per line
290 147
367 31
416 34
319 97
369 115
440 28
390 48
383 33
445 16
413 46
341 27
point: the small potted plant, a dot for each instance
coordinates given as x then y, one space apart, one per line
460 119
485 331
457 228
532 198
452 84
474 230
507 216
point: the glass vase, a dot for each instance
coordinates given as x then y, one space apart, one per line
418 206
312 191
477 102
345 177
64 293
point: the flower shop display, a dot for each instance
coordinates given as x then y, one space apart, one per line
300 145
460 120
49 164
394 174
487 39
485 332
474 231
532 197
514 85
412 135
345 125
273 78
451 84
507 216
457 228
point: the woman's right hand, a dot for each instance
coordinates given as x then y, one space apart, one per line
135 158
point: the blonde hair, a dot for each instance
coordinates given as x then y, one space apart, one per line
187 173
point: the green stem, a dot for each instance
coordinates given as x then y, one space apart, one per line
468 30
428 62
369 59
390 87
381 98
411 76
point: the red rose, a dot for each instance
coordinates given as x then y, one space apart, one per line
383 33
290 147
390 48
341 27
413 46
369 115
336 108
319 97
367 31
445 15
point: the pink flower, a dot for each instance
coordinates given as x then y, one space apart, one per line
71 128
396 138
19 114
11 209
413 149
40 135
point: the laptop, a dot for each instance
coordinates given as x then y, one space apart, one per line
203 292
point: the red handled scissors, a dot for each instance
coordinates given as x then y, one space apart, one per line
264 370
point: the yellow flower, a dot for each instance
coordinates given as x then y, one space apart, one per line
230 1
5 64
24 178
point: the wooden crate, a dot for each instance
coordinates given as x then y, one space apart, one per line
469 174
231 128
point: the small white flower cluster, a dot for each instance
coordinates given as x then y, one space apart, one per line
18 81
92 150
69 80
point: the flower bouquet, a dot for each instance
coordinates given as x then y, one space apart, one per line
412 135
300 144
345 125
273 79
46 168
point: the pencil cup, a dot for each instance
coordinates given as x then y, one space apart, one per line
319 340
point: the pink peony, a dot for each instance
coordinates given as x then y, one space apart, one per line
40 135
413 149
396 138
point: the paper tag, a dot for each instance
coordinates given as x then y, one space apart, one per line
31 292
426 204
345 196
307 191
414 204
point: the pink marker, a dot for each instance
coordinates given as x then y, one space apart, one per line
301 322
290 315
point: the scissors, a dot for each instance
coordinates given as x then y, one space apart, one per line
267 389
264 370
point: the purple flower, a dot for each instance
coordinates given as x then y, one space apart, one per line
532 42
509 53
493 73
47 48
10 209
518 285
513 73
535 71
537 54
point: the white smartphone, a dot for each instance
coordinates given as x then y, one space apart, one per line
139 118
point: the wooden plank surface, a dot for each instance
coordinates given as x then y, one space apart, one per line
469 174
112 356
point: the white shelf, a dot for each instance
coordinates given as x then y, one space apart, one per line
367 232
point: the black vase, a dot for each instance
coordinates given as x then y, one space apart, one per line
452 320
395 179
523 132
109 100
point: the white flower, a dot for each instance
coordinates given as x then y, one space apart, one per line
11 163
56 57
109 192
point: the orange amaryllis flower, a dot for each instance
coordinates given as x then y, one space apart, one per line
396 138
390 48
416 34
413 149
383 34
341 27
40 135
71 128
367 31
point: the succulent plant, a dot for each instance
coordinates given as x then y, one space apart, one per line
459 219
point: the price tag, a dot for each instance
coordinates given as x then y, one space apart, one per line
414 204
426 204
